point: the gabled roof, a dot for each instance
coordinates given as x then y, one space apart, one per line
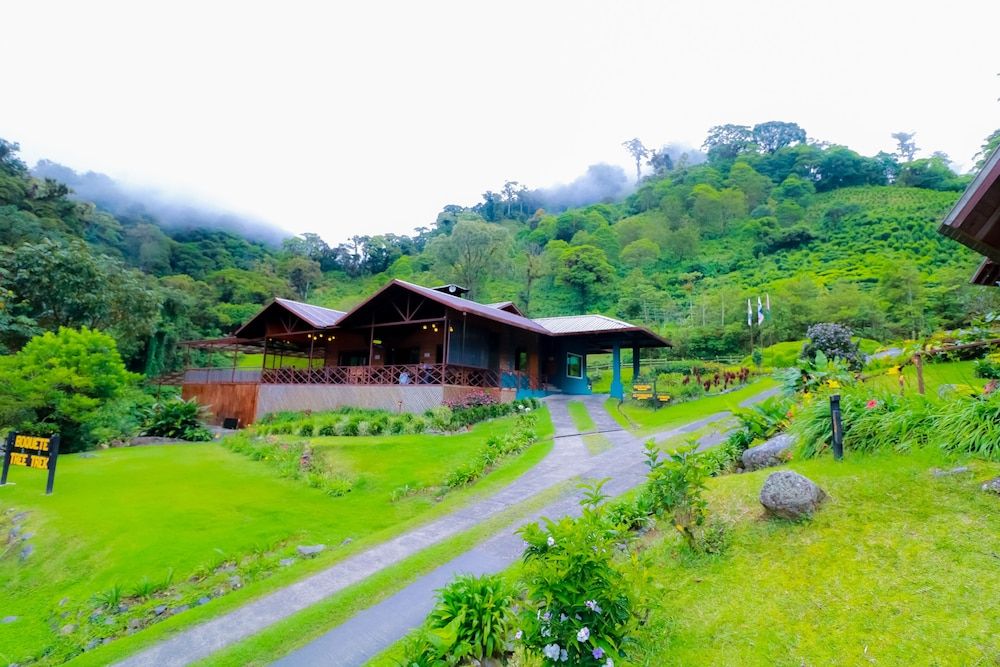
462 305
509 306
315 316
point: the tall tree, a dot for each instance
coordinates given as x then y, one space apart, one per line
906 147
473 253
586 269
638 153
774 135
727 141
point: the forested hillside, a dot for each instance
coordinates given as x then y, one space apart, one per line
827 233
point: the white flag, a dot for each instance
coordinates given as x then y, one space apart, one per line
749 314
760 312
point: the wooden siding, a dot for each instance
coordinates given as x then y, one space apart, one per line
225 400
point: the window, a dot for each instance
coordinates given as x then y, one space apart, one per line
574 365
520 359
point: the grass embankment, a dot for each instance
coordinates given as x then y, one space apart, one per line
647 421
119 518
898 567
936 376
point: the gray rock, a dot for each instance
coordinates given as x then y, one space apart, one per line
14 533
106 640
235 582
27 551
91 644
992 486
310 550
789 495
285 562
960 470
134 623
346 541
9 619
159 609
62 603
109 621
67 629
182 608
204 600
768 454
28 535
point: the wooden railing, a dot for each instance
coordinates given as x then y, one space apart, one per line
397 374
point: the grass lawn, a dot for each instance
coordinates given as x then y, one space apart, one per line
581 418
129 515
935 375
650 420
898 567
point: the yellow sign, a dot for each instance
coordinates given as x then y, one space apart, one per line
641 387
31 452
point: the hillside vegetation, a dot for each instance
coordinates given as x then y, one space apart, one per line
826 233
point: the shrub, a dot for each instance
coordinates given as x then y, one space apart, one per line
72 382
477 615
582 604
675 486
988 367
834 341
176 419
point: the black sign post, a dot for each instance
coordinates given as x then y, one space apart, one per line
838 427
31 452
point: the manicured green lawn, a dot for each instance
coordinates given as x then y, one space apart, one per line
897 568
935 375
128 515
649 420
581 418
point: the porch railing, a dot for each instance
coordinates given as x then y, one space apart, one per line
397 374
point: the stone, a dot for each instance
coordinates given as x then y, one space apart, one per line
106 640
28 535
9 619
960 470
62 603
182 608
789 495
134 623
67 629
310 550
346 541
235 582
91 644
204 600
285 562
159 609
774 452
14 533
27 551
992 486
109 621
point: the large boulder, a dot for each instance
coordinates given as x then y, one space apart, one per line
774 452
789 495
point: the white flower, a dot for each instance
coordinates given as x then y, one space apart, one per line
518 634
551 651
609 663
551 541
593 606
562 618
563 655
583 635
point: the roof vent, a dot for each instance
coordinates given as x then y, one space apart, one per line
452 288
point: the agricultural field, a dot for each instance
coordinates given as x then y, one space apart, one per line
127 524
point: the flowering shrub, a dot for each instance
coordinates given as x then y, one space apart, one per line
495 449
675 487
834 341
582 601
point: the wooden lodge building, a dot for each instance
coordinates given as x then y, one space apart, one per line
405 348
974 221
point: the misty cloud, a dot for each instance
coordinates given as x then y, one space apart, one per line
135 204
601 182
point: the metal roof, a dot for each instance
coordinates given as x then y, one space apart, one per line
569 324
468 306
317 316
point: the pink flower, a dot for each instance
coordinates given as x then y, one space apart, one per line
871 404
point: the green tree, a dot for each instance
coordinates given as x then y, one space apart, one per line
72 382
473 254
775 135
756 186
640 254
586 269
906 147
638 153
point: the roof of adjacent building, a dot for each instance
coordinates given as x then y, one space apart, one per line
974 221
570 324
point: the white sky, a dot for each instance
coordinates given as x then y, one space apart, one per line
368 117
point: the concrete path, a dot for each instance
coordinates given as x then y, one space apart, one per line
371 631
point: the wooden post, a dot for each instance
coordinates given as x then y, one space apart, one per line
263 362
918 363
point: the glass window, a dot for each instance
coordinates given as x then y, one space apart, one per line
574 365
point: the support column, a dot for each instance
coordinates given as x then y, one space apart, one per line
635 363
617 390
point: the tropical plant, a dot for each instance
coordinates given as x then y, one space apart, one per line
818 374
177 419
